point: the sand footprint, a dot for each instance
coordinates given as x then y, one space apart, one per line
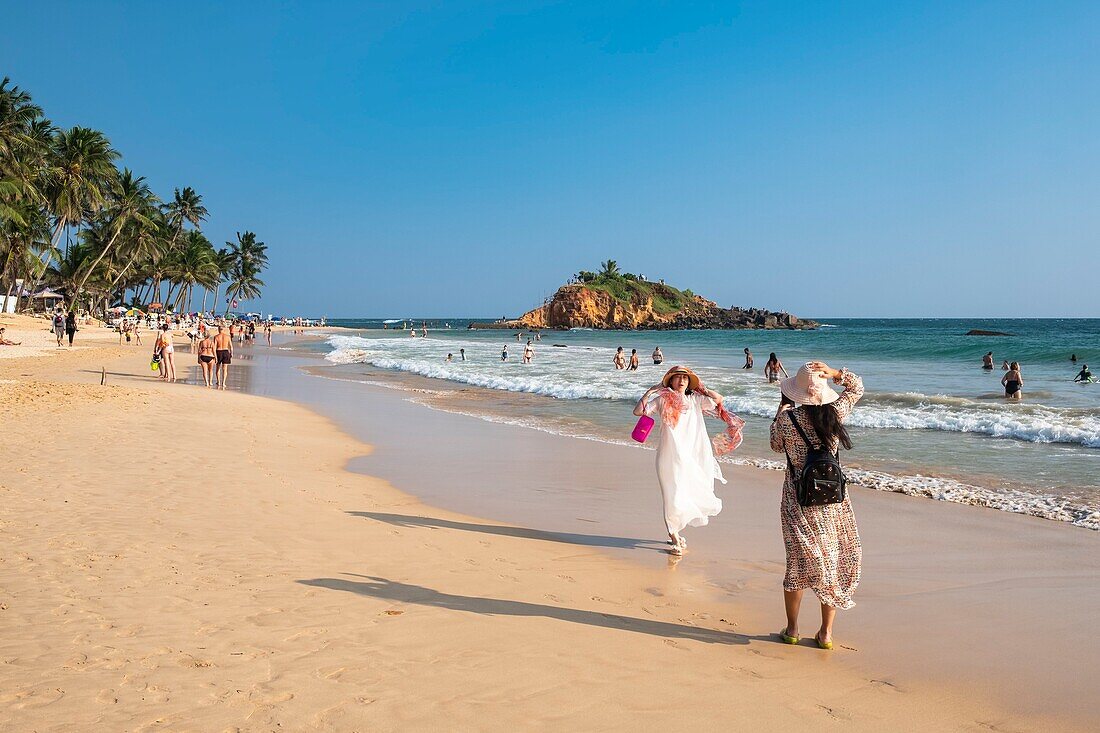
834 713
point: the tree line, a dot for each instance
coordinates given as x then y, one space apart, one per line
122 244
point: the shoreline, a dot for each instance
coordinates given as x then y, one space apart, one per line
487 600
467 399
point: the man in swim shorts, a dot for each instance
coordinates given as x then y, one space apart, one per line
223 349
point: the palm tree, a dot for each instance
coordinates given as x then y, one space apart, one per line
610 268
223 260
131 200
192 265
249 259
143 241
186 206
80 173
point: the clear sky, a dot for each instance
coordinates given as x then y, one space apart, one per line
464 158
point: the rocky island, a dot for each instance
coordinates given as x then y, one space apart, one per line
616 300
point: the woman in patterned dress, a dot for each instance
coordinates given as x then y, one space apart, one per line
822 542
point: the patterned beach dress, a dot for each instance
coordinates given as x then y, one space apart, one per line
822 542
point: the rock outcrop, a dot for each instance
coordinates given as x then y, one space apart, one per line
645 306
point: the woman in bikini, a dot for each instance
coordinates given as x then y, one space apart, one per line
166 349
206 359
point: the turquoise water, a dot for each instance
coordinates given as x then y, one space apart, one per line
932 421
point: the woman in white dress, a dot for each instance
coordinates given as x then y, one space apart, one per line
686 467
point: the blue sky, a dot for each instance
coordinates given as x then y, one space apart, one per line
454 158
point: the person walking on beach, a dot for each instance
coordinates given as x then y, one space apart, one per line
633 360
206 359
223 352
686 466
822 542
658 357
59 326
167 354
987 361
70 326
1013 381
748 360
773 368
137 331
620 358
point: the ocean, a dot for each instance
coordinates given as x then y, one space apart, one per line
932 422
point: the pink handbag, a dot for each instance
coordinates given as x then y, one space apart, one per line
641 430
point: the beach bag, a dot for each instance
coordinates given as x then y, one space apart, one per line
641 430
822 479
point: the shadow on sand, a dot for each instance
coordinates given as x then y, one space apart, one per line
569 538
416 594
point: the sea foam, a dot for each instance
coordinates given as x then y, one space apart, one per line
585 372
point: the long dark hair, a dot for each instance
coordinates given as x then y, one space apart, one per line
827 424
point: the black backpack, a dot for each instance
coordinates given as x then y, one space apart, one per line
822 479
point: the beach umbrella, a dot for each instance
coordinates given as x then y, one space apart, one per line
134 312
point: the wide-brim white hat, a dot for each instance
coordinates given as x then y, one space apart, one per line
807 387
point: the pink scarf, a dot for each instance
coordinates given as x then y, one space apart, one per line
673 405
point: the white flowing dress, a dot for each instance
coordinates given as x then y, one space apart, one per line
686 467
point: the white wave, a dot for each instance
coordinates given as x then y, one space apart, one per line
587 373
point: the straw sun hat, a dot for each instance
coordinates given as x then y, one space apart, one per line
808 387
693 379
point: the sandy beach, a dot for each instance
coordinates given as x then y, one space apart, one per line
181 559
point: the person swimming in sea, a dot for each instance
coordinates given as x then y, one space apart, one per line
658 357
1084 375
633 360
620 358
504 354
748 360
987 360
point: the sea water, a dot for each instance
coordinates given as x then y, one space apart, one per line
932 421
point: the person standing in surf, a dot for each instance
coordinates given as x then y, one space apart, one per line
686 466
1013 382
822 543
773 368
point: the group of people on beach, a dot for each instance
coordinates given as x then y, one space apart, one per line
214 351
820 537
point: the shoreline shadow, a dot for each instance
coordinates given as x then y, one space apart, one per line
375 587
569 538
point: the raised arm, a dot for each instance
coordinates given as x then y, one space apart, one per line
853 390
639 409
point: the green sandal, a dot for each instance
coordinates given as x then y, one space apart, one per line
788 639
826 645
